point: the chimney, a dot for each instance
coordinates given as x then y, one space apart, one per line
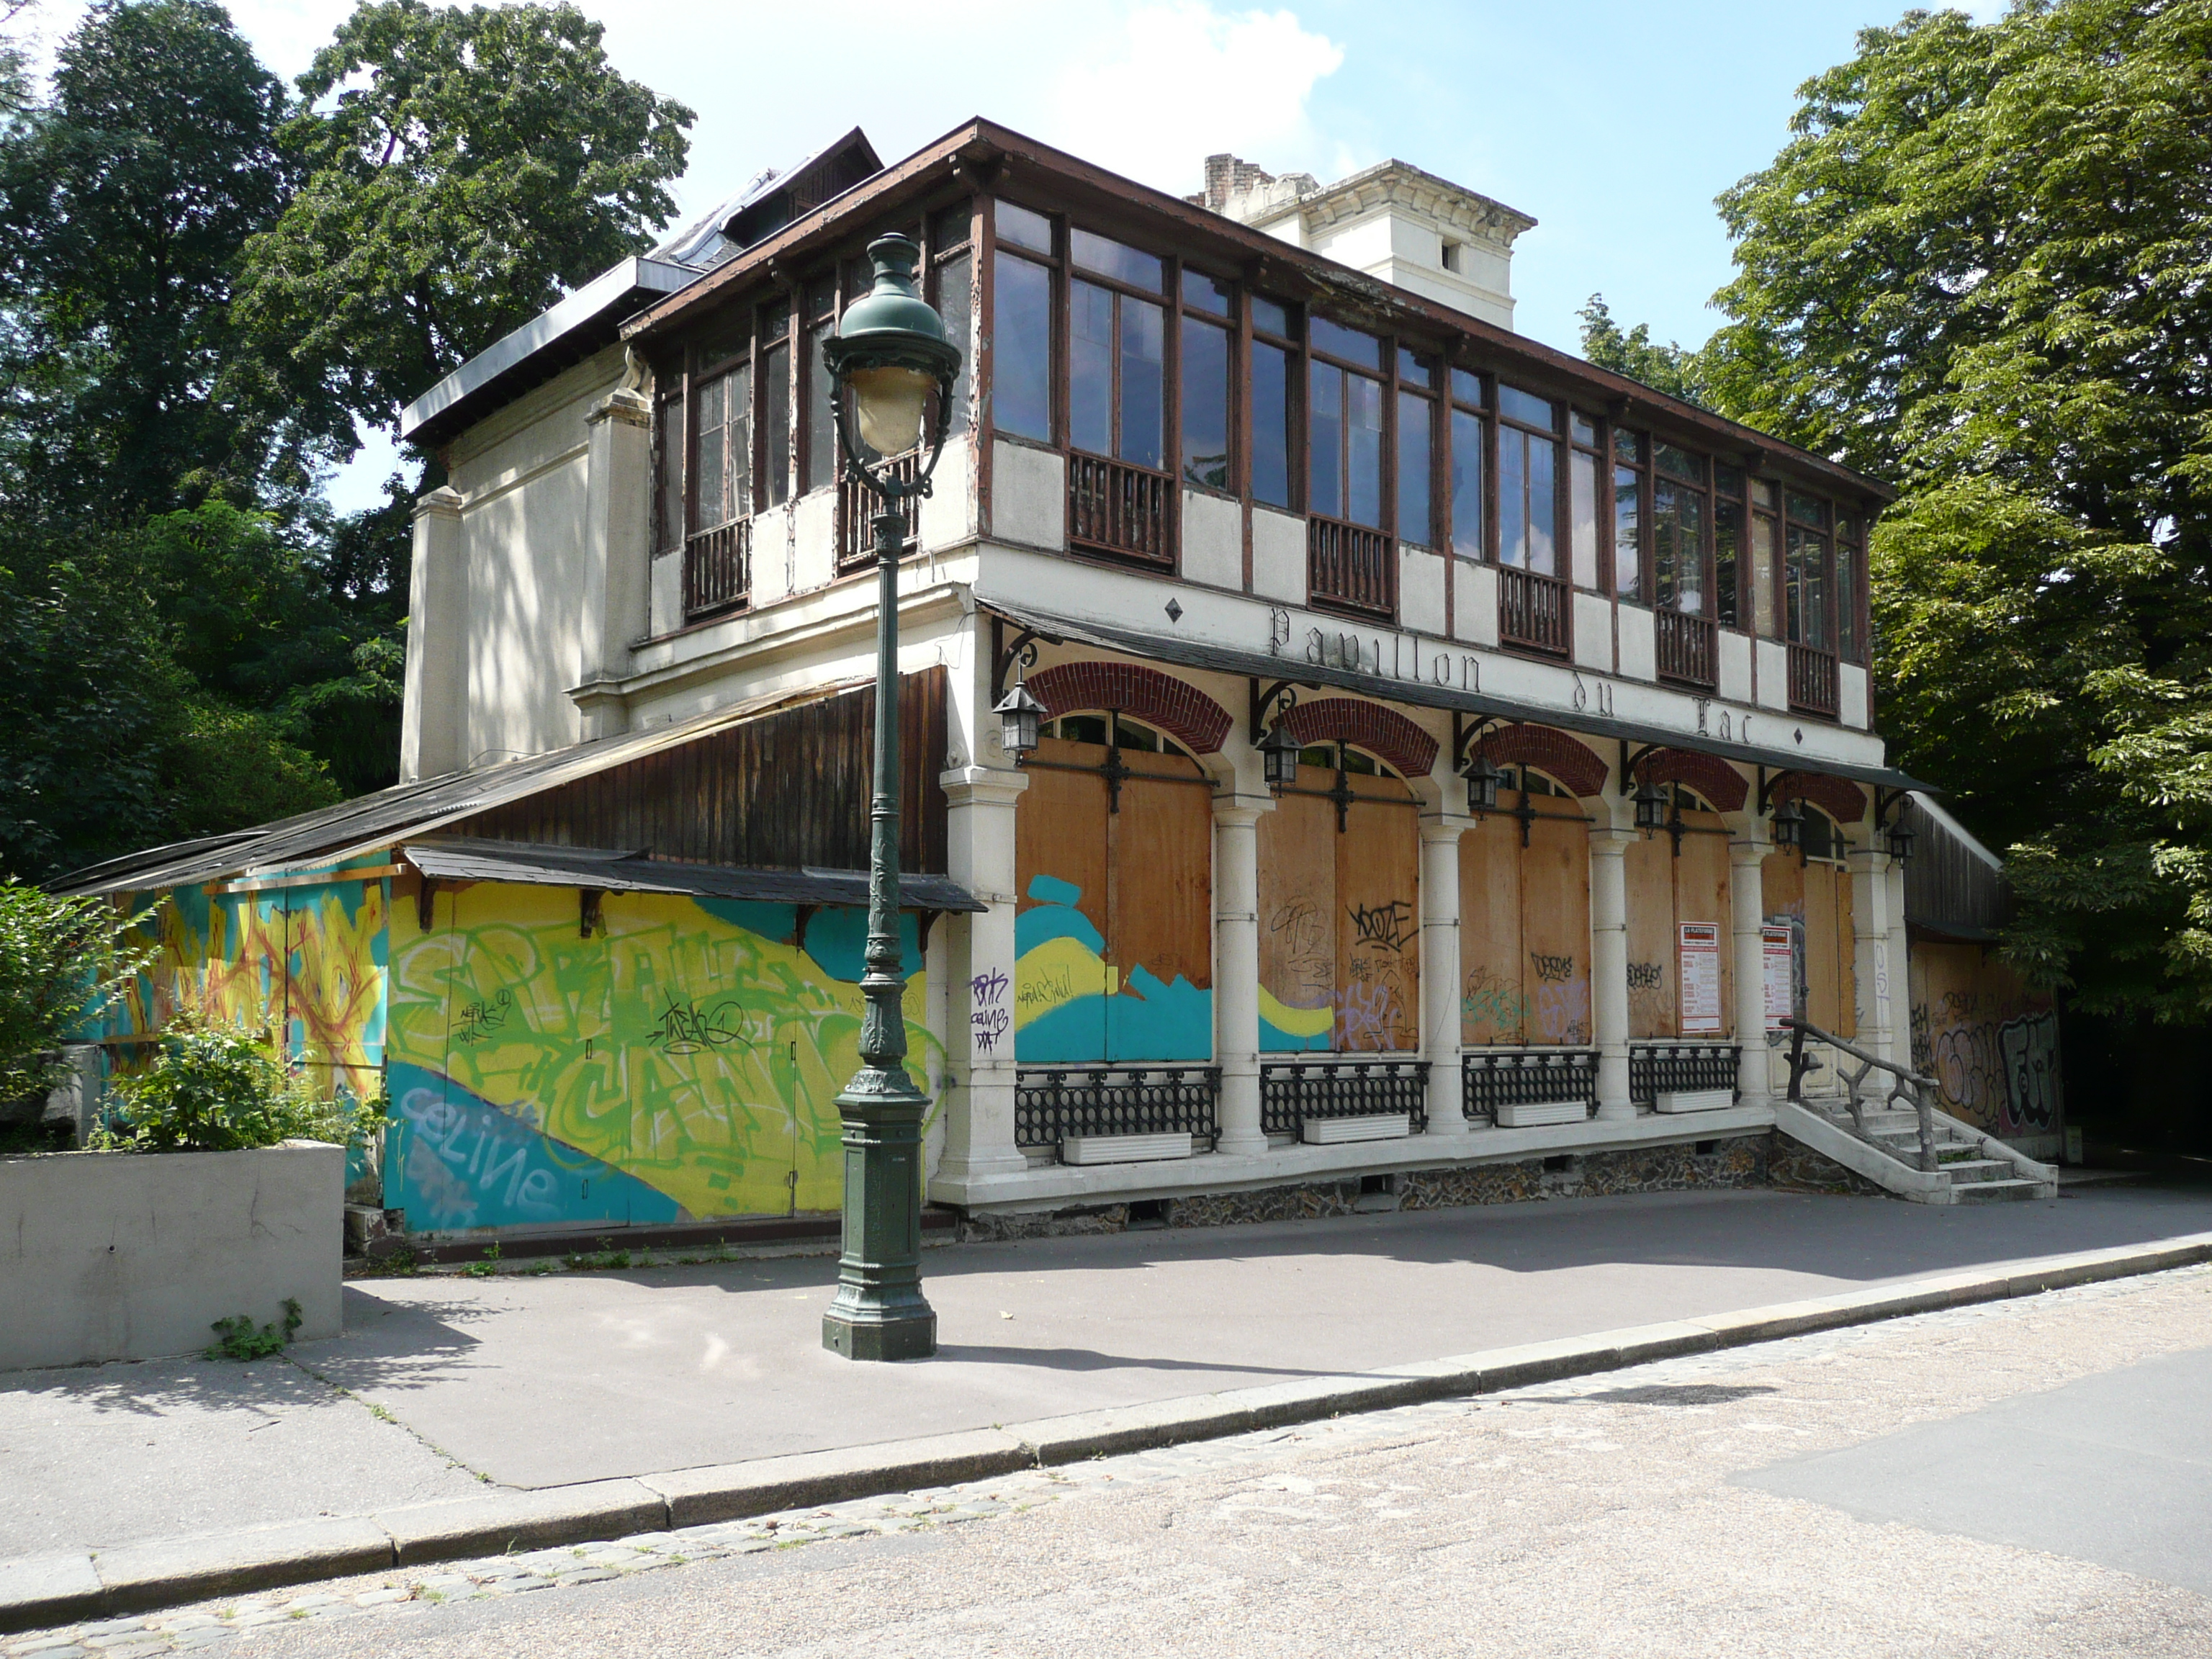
1227 177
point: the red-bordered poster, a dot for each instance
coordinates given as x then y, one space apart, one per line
1701 977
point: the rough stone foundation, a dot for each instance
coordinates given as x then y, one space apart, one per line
1735 1162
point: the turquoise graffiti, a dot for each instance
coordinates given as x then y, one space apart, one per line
1072 1005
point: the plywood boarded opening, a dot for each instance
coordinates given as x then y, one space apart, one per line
1524 924
1339 910
1666 890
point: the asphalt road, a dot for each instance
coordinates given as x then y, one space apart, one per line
2026 1478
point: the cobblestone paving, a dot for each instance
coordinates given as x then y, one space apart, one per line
1737 1408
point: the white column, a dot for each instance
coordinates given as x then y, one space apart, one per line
1236 970
1609 967
1900 969
435 718
1441 975
617 555
1871 988
979 957
1747 852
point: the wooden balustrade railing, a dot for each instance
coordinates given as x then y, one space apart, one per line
1535 611
1115 508
857 507
718 569
1351 567
1689 648
1812 680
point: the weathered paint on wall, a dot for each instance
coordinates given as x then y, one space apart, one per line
1989 1042
682 1061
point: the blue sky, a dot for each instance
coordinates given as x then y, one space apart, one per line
1613 124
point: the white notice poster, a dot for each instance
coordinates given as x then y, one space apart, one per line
1701 977
1780 962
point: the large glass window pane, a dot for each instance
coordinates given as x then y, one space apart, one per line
1806 588
1348 343
776 365
1363 420
1518 406
1583 428
955 303
1205 404
1679 462
1090 367
1583 525
821 427
1022 227
1205 293
1117 260
1412 370
1467 388
1847 602
1466 483
1809 509
1021 347
1512 497
1627 519
1413 468
1270 316
1325 440
1270 424
1678 534
1728 546
1765 548
1144 384
1543 505
668 458
712 503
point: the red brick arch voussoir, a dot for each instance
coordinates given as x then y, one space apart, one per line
1183 712
1842 801
1550 750
1709 774
1381 731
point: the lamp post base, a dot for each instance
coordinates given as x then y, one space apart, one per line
879 1311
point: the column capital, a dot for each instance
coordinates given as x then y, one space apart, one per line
1868 860
443 503
1444 826
628 407
1609 842
982 785
1236 809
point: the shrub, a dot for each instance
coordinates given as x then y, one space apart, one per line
62 961
218 1088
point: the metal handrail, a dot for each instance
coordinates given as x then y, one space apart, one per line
1911 1088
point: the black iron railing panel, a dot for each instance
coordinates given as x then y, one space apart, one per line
1535 610
718 569
1293 1090
1121 509
1052 1102
1526 1077
1811 680
1351 567
1689 648
1678 1068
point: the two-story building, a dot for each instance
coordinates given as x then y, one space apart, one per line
1270 456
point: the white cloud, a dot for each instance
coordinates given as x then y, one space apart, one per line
1172 83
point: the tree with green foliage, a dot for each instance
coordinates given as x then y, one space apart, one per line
1668 368
459 169
1977 269
62 961
125 199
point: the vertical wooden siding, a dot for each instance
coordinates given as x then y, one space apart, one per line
787 789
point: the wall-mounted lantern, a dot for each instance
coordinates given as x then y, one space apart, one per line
1278 756
1018 713
1901 837
1650 807
1483 779
1789 825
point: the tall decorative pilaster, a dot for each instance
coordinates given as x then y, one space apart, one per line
1900 969
1236 970
1441 973
1871 988
978 1119
1747 852
434 724
1609 967
617 555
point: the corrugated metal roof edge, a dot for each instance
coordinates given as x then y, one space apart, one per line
466 858
1222 659
408 809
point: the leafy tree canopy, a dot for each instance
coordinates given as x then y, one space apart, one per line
1979 269
461 167
1666 368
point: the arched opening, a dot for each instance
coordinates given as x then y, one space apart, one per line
1114 864
1340 934
1808 889
1681 971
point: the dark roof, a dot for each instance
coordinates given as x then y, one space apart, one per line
1254 664
468 859
406 810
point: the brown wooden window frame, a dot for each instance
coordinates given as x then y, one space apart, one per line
1238 389
1557 437
1291 343
1381 374
1429 396
1455 403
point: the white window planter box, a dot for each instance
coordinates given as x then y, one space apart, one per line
1697 1100
1334 1131
1123 1149
1534 1114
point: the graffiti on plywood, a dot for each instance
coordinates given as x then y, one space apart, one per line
1990 1044
1071 1005
1489 999
1300 1013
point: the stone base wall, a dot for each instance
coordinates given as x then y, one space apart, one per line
1767 1160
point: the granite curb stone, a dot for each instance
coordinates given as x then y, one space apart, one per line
53 1590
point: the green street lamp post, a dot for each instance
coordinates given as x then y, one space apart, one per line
888 354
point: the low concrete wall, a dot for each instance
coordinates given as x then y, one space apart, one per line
128 1255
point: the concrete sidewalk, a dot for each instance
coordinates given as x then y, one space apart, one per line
445 1384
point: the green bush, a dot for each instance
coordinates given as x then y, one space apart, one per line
218 1088
62 961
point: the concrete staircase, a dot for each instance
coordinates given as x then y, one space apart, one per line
1971 1167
